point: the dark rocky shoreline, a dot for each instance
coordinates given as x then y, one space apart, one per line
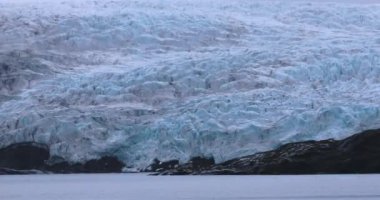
34 158
359 153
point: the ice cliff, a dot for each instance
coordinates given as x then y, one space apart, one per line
175 79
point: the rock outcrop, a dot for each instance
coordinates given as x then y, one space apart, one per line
359 153
158 166
106 164
33 158
6 171
167 168
24 156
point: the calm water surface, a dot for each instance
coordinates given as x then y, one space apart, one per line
143 187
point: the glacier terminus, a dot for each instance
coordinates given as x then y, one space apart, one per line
174 79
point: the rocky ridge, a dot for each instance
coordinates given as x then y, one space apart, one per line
359 153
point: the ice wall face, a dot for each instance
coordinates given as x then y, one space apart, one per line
175 79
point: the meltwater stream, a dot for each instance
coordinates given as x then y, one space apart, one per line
143 187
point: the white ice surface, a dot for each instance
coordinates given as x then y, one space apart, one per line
175 79
142 187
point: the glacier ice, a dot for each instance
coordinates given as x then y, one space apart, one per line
175 79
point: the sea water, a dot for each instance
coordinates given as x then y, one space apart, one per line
145 187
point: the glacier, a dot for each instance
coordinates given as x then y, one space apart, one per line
173 79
